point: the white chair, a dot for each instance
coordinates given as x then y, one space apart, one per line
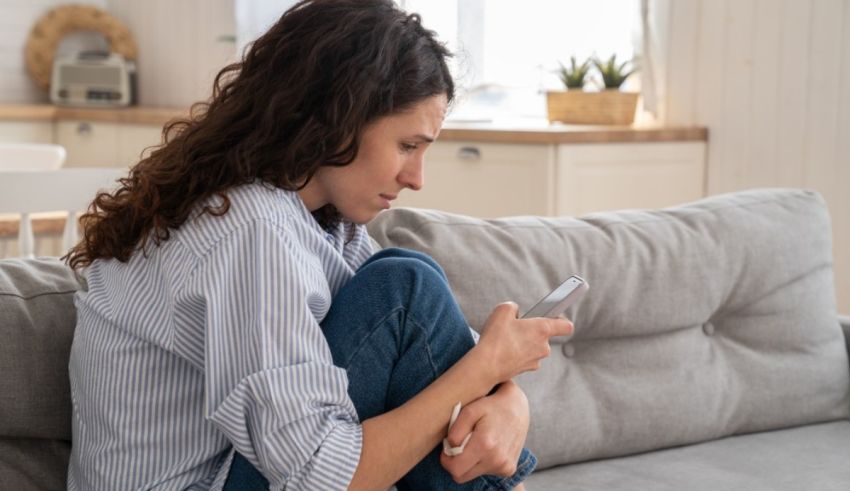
31 156
70 190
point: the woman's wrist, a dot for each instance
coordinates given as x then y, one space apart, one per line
479 365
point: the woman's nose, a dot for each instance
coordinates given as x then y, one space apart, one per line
413 176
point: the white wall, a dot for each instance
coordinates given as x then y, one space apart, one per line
181 46
16 19
254 17
771 80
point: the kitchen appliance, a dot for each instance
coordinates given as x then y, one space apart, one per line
93 79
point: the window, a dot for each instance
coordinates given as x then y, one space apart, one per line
254 17
507 51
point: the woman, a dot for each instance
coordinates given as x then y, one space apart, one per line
208 353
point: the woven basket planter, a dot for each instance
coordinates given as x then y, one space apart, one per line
605 107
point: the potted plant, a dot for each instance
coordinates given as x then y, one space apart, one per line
608 106
613 75
574 76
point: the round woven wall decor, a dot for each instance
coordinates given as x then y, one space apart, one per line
49 30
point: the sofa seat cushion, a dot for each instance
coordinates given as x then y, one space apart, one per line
808 457
33 464
702 321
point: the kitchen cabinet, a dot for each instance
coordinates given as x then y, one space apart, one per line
478 169
493 179
612 176
486 179
26 132
104 144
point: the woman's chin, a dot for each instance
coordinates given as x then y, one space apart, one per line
361 217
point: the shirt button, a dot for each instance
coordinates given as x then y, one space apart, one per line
569 350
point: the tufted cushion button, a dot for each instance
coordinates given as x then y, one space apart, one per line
569 350
708 328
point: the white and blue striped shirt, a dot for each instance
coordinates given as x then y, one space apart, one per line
210 340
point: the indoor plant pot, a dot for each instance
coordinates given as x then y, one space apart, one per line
609 106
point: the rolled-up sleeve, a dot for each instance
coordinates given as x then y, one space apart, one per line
270 383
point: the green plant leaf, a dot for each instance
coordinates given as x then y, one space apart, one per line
613 75
574 76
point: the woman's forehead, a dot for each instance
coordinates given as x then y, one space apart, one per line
425 117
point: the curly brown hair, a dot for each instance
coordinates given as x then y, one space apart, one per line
299 99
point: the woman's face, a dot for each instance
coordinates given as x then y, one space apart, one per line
390 159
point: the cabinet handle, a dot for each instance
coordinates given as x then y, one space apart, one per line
84 129
469 154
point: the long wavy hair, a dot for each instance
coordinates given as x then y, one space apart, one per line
299 99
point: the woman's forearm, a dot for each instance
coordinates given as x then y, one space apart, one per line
397 440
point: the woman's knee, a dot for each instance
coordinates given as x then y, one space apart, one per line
397 257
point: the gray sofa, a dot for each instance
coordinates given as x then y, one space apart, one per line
708 354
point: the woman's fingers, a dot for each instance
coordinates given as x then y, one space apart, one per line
560 327
484 454
519 344
503 469
507 309
460 465
464 424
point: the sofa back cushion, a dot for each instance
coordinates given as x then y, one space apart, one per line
37 320
702 321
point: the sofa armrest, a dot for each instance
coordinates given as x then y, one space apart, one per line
845 326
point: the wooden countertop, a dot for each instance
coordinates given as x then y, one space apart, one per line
132 115
542 132
507 131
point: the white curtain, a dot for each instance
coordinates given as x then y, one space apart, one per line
254 17
650 57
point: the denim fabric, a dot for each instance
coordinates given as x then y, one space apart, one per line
395 327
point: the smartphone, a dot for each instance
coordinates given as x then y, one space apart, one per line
556 302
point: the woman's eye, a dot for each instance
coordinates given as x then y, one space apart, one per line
407 147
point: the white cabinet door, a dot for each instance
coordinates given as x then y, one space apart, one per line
26 131
89 144
97 144
611 176
134 139
486 179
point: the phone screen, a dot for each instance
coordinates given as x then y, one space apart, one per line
556 302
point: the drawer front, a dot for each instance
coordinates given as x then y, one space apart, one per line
600 177
486 179
89 144
26 132
97 144
136 141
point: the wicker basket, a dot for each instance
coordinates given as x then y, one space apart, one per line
606 107
49 30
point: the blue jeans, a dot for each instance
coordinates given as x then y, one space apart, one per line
396 327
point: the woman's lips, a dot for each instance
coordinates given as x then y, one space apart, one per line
387 198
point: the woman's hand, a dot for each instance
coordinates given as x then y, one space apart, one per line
499 425
511 346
